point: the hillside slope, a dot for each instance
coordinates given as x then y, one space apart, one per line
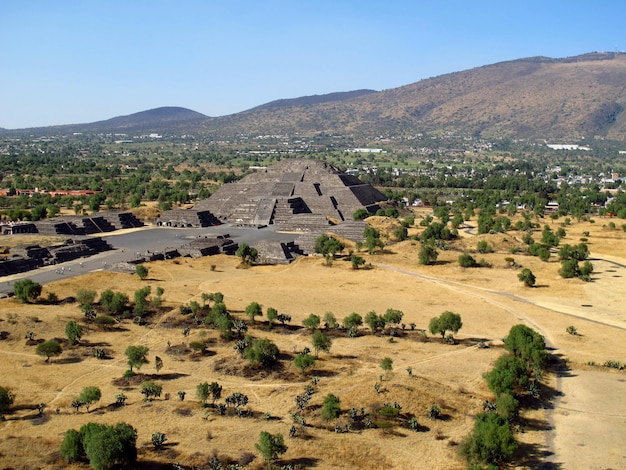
533 98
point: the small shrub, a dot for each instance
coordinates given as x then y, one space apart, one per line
484 247
158 439
572 330
434 412
467 261
389 411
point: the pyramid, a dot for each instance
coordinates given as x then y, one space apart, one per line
292 192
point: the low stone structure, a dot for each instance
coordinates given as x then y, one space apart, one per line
207 246
26 258
121 220
80 248
186 218
101 222
276 252
18 228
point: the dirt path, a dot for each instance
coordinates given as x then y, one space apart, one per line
591 413
466 289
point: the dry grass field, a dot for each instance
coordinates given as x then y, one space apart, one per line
489 300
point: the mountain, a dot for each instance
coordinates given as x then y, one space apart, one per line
313 99
535 98
158 118
166 120
532 98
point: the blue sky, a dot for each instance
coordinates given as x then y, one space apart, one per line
77 61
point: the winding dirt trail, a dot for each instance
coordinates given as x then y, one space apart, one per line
586 391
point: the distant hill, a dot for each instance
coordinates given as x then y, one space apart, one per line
164 120
313 99
158 117
533 98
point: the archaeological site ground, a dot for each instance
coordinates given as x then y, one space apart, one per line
578 421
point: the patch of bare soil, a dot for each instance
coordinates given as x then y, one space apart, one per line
490 301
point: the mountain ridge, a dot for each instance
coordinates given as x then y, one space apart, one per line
530 98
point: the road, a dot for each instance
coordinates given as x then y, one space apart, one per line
136 243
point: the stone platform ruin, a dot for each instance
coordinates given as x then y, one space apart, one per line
296 195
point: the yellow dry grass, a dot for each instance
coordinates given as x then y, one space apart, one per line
490 301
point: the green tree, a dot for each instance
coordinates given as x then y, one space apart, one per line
254 309
270 446
202 392
136 356
247 254
428 254
467 261
7 397
90 395
393 316
527 277
360 214
304 362
585 271
569 268
216 391
374 321
151 390
507 406
321 342
541 251
330 321
491 441
357 261
113 303
26 290
107 446
73 331
354 320
312 321
508 375
331 407
527 344
158 363
85 298
141 271
447 321
49 349
272 315
372 239
141 301
327 245
549 238
72 446
401 233
261 352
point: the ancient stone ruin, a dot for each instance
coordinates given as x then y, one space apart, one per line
25 258
88 224
295 194
186 218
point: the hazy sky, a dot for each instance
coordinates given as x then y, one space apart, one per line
78 61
